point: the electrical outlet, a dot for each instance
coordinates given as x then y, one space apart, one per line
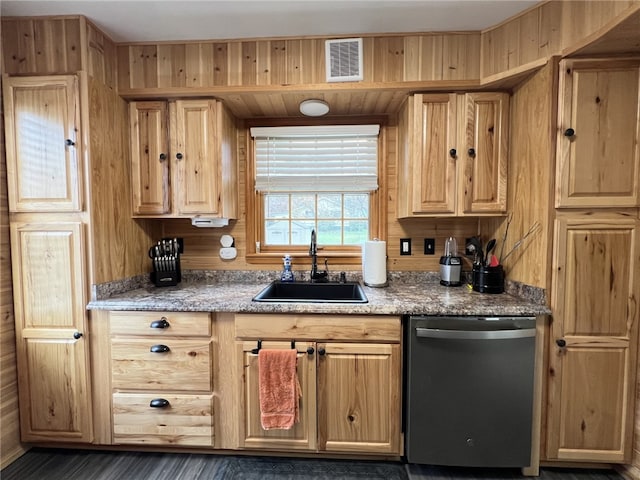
429 246
405 246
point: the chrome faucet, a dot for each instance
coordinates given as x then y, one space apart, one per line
316 276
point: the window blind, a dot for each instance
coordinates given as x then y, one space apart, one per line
331 158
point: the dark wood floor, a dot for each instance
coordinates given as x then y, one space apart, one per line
53 464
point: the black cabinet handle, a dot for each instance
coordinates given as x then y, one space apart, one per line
163 157
321 351
162 323
561 342
69 142
569 132
310 351
472 152
453 152
159 403
77 335
179 156
159 349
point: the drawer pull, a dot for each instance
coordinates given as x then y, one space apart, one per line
159 349
159 403
162 323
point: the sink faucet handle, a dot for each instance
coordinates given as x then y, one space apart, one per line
343 277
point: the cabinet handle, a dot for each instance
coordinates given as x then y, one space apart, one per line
179 156
561 342
472 152
569 132
453 152
159 403
163 157
159 349
310 351
77 335
70 143
321 351
162 323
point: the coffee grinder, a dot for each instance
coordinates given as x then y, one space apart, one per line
450 264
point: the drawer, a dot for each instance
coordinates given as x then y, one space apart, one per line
186 420
319 327
187 365
191 324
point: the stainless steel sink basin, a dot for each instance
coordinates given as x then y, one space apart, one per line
348 292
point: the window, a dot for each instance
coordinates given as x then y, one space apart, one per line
320 178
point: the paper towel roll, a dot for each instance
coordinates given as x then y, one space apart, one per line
374 263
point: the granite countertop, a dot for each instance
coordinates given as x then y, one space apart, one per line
408 293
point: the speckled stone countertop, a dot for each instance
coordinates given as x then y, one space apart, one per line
406 293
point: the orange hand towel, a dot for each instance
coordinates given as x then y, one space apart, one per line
279 388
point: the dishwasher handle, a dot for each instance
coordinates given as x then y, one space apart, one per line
475 334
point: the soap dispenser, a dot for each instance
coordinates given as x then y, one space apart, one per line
287 273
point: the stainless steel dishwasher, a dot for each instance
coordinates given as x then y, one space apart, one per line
469 390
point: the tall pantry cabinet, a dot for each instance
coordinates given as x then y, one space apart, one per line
596 262
44 144
67 157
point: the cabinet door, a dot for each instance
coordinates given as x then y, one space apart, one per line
149 157
359 397
303 434
598 142
48 288
434 174
592 361
43 143
194 156
485 153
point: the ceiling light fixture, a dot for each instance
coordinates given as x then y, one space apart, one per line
314 107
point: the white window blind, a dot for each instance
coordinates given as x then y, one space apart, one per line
330 158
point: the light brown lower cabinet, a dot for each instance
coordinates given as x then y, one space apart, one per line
162 378
351 385
51 331
592 362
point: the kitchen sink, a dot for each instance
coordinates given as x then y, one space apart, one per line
347 292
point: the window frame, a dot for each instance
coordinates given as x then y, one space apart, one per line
343 254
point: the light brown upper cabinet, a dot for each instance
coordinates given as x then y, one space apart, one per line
42 125
184 159
452 155
592 364
598 154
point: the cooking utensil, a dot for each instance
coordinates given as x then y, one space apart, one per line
490 246
475 246
535 228
504 237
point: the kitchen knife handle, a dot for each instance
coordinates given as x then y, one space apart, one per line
162 323
159 349
159 403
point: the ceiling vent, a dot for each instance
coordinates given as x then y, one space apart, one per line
344 60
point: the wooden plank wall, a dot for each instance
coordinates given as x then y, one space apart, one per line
202 245
544 31
119 243
9 413
57 45
530 181
298 61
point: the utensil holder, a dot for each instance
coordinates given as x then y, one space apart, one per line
488 279
165 279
